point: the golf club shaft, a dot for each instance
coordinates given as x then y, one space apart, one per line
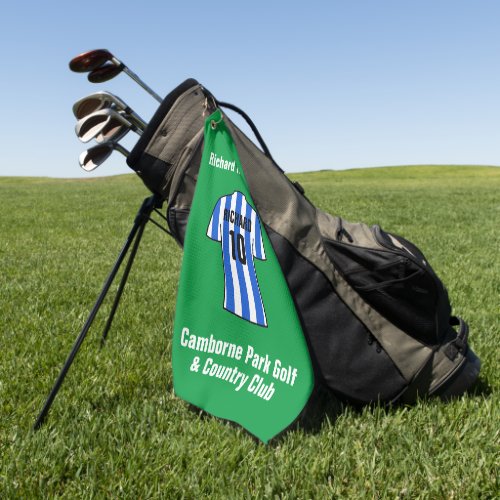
134 77
121 149
138 121
138 130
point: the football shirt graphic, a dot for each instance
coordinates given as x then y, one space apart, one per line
235 224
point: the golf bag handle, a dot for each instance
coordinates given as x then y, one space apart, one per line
252 125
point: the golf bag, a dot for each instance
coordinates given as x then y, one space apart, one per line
376 317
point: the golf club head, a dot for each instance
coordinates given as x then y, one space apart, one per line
89 61
104 73
92 125
96 101
93 157
104 99
102 66
112 132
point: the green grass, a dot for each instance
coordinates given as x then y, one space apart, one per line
117 430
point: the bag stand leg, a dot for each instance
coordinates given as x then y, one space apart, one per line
135 235
122 284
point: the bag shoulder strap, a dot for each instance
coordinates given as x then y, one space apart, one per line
252 125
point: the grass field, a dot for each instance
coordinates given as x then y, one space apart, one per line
117 430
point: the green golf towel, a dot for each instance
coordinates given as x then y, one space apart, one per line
238 348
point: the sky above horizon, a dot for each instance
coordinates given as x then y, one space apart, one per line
330 85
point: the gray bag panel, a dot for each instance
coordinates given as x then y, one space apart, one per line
185 175
179 126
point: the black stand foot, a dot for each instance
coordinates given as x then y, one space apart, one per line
135 235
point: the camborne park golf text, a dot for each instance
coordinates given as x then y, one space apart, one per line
257 384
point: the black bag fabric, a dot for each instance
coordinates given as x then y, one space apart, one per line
377 319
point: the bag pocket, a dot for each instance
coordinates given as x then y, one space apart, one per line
393 283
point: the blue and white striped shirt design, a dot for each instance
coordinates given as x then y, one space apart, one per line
236 225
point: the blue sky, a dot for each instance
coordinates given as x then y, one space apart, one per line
338 84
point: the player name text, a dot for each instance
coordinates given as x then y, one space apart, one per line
219 162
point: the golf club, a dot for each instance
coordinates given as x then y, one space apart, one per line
107 119
104 73
112 132
88 61
102 66
103 99
95 156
